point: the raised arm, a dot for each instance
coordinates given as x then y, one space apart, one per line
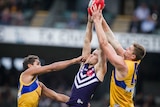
108 50
86 51
111 38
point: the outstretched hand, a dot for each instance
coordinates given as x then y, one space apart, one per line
79 59
97 13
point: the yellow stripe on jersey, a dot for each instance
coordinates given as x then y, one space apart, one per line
28 94
121 91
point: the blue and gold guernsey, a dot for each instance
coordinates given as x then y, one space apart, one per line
28 94
122 91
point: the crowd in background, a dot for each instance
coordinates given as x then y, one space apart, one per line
145 18
20 12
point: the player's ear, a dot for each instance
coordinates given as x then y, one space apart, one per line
133 56
29 65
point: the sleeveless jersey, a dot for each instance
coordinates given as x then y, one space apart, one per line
28 94
84 86
121 91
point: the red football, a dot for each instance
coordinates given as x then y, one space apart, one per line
97 2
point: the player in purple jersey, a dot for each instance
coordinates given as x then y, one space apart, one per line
90 74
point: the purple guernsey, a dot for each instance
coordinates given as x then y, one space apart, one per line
85 84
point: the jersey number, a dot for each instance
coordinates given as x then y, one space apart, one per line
134 77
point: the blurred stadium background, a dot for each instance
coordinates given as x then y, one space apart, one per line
54 30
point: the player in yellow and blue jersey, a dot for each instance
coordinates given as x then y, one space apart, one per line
30 88
126 62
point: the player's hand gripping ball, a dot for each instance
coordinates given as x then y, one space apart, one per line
97 2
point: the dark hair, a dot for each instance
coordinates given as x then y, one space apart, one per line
30 59
139 51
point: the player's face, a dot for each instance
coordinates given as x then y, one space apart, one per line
37 63
129 54
93 58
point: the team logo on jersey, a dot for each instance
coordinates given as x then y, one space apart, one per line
89 73
82 80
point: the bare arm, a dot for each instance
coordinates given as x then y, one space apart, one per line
53 95
56 66
109 51
111 38
88 38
